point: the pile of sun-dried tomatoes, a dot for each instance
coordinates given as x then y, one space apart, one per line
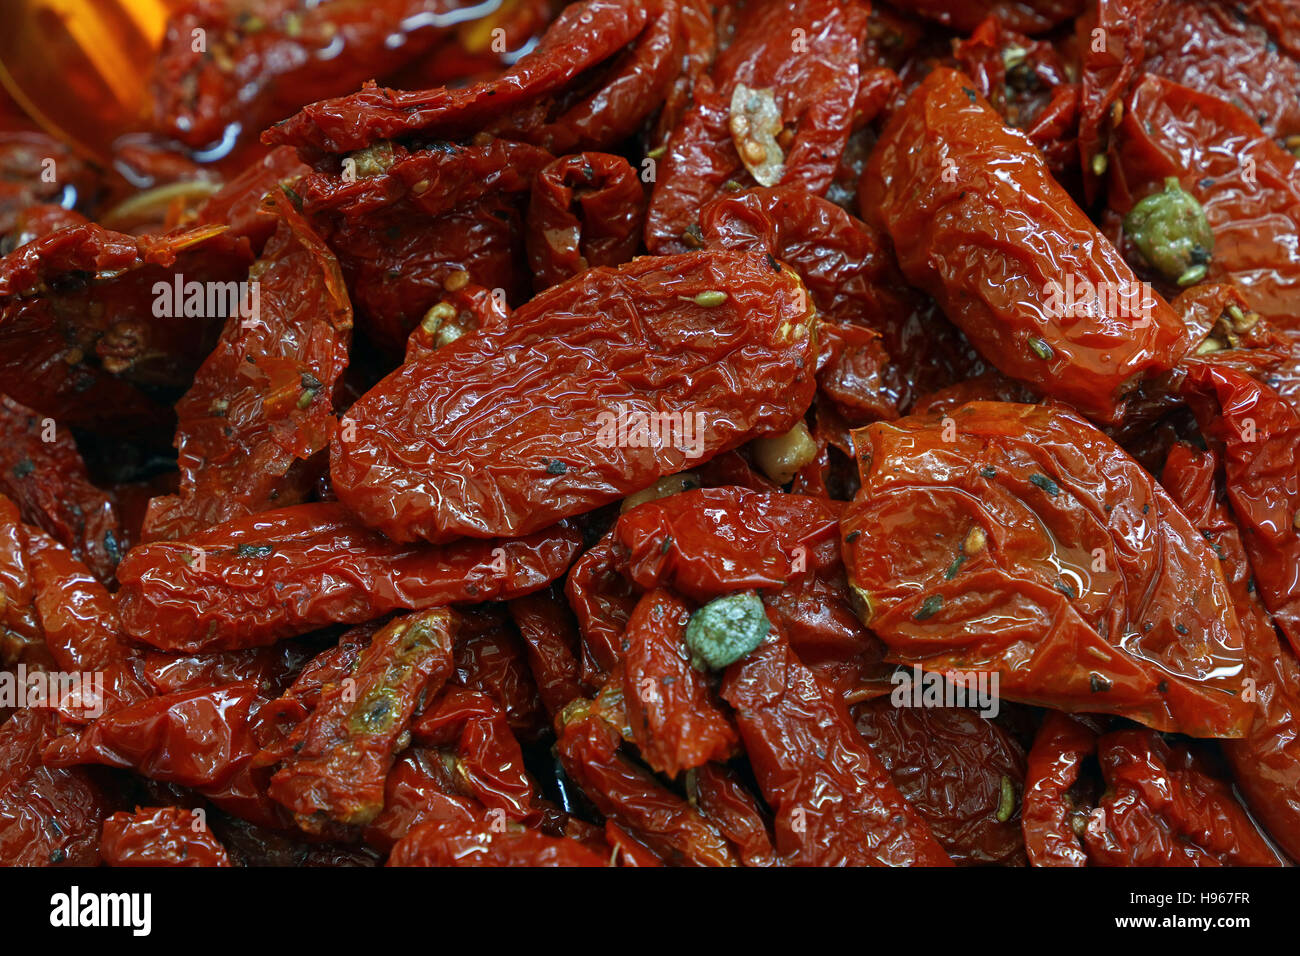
671 432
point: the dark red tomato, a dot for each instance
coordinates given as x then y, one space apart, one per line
1163 807
440 843
80 327
850 271
1248 186
1019 540
550 633
834 802
1051 817
1058 307
962 772
257 579
1266 762
419 787
1027 16
261 61
43 473
339 756
1220 51
48 815
777 108
713 541
676 723
468 445
673 829
584 210
411 227
1259 432
161 836
545 97
195 738
262 402
491 659
727 802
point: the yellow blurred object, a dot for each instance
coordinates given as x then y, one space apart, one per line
80 68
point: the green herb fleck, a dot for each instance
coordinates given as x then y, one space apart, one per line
1047 484
929 607
954 567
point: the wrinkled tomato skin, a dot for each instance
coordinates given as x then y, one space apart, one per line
584 35
596 351
1003 528
853 278
262 67
340 755
160 836
937 180
1266 762
419 218
81 350
196 739
723 799
710 542
1162 807
550 632
491 659
48 481
1248 185
584 211
1047 812
951 763
1207 47
33 796
675 723
588 748
195 595
1259 433
835 803
813 82
602 599
1111 38
1026 16
261 402
438 843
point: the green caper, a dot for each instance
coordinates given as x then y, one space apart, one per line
726 629
1172 233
